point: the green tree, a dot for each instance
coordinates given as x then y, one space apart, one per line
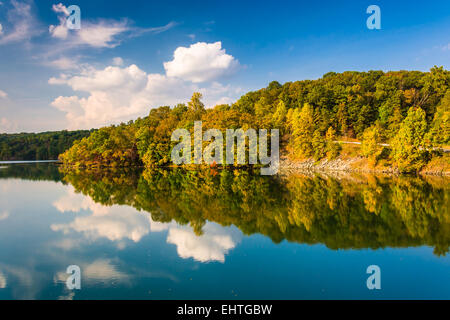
409 146
370 145
195 107
332 147
279 117
302 132
440 128
318 145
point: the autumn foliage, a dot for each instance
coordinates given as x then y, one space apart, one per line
407 110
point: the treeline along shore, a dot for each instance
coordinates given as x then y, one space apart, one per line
399 119
38 146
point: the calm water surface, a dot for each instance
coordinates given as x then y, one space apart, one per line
221 234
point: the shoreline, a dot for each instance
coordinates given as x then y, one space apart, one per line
345 166
341 164
349 165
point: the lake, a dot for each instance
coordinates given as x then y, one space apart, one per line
221 234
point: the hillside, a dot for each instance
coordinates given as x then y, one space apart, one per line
409 110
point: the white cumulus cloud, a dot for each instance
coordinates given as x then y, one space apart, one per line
116 94
201 62
110 78
3 94
59 31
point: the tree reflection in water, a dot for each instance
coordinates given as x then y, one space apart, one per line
347 212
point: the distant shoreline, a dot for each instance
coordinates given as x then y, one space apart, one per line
27 161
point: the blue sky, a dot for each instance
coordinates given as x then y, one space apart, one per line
130 56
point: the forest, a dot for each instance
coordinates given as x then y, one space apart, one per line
38 146
401 119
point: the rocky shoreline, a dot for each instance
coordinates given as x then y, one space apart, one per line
356 164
